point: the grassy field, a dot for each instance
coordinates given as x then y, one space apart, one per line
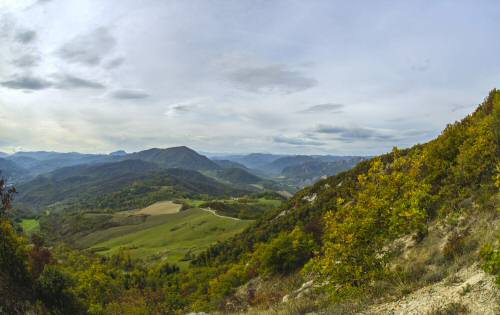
169 236
30 225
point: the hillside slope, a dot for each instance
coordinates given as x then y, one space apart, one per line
414 231
11 170
355 217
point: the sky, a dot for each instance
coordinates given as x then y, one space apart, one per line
296 77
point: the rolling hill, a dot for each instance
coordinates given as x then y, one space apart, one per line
12 171
238 176
176 157
116 185
277 166
253 160
229 164
40 162
170 237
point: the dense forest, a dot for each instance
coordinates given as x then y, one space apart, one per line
339 234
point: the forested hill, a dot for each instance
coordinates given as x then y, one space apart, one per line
117 185
176 157
348 219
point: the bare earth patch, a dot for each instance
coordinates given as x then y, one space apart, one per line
471 287
162 207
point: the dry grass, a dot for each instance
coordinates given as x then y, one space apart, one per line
159 208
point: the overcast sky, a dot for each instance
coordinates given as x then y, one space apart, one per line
323 77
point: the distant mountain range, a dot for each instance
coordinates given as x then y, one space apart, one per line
296 170
48 177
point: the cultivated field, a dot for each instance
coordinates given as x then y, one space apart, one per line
162 207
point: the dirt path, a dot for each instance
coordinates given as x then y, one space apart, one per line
218 215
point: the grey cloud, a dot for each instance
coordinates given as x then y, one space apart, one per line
25 37
27 83
129 94
297 141
271 78
355 133
88 49
26 61
351 134
177 109
67 82
114 63
322 108
181 108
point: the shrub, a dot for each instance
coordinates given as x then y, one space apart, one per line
454 245
286 253
491 260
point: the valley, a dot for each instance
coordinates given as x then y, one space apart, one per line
249 157
220 236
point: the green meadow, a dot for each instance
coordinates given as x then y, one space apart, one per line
173 237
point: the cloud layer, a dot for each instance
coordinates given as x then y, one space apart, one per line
240 76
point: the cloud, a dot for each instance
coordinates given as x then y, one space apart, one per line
63 82
350 134
26 36
26 83
270 78
67 82
184 106
322 108
27 61
88 49
176 109
114 63
124 94
297 141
